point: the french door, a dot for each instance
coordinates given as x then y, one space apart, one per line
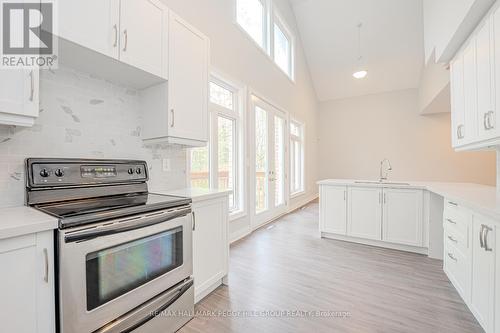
269 157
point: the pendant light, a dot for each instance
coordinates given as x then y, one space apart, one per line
360 72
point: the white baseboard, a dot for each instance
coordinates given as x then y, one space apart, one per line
406 248
206 288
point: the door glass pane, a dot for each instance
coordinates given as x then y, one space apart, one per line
117 270
296 166
221 96
279 161
199 175
250 16
226 128
281 49
261 160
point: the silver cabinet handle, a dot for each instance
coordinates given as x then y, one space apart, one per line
125 35
451 221
452 257
46 257
452 203
32 85
172 121
460 133
485 238
481 241
115 28
193 214
485 121
452 239
490 115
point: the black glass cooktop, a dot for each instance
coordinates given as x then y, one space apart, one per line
78 212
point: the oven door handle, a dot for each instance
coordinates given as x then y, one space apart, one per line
128 224
146 312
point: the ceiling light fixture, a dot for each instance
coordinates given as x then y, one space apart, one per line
360 73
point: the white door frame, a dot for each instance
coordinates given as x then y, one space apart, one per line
255 99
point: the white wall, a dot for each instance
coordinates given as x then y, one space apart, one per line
234 54
83 117
357 133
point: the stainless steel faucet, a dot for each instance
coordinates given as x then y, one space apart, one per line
389 168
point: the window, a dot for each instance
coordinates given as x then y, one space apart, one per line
282 49
250 15
268 30
296 157
219 166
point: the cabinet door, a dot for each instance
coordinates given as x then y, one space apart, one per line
27 302
402 216
457 101
91 23
470 92
484 81
19 95
210 244
483 271
365 212
188 81
144 35
333 209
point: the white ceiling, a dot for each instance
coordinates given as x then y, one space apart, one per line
391 41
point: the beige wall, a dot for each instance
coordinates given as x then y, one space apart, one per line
355 134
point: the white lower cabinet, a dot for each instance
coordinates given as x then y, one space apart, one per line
364 216
210 245
483 272
27 302
333 213
402 216
471 263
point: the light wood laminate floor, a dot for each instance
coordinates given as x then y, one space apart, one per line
286 266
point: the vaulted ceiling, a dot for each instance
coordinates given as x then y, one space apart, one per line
391 44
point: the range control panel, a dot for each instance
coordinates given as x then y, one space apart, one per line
47 172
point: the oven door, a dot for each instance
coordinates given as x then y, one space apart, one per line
108 269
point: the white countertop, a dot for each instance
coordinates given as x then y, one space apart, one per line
195 193
17 221
481 198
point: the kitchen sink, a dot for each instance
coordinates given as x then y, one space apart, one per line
381 183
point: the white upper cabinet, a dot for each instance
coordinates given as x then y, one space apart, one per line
480 58
365 212
131 31
188 84
485 87
470 92
457 101
19 96
144 35
403 216
333 212
94 24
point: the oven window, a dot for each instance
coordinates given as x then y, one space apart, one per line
115 271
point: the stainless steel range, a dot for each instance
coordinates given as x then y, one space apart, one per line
124 255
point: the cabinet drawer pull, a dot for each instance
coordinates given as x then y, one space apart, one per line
452 257
452 239
460 134
46 258
172 122
485 121
452 203
481 239
490 115
485 237
193 215
451 221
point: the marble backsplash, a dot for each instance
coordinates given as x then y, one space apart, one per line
82 116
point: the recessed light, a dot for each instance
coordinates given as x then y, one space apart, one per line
360 74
